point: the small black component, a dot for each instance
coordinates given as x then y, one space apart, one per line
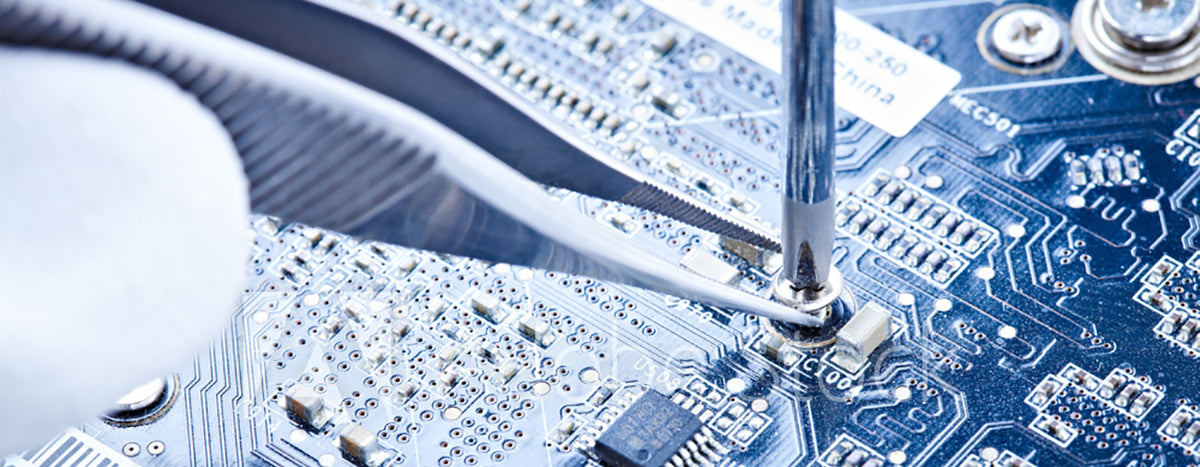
648 433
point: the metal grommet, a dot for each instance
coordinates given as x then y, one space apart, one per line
144 404
1147 42
1150 24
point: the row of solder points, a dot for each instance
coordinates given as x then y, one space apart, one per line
1107 167
876 230
936 218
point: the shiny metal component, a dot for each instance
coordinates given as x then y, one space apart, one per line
321 150
814 302
809 200
455 93
143 396
1027 36
144 404
658 198
810 237
836 312
1025 39
1150 24
1140 41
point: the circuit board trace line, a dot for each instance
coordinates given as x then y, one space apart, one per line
425 359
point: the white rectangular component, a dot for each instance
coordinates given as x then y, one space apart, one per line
307 406
430 311
860 336
360 444
508 370
488 306
709 266
876 77
356 311
536 329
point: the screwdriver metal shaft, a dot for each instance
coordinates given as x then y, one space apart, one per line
808 198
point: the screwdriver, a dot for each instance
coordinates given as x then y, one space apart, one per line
808 281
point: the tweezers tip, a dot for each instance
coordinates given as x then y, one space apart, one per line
650 196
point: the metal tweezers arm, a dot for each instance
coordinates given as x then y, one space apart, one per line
321 150
405 64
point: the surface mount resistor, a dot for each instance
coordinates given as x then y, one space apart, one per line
361 446
307 407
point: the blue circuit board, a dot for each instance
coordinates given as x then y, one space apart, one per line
1033 241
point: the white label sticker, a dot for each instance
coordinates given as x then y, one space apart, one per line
876 77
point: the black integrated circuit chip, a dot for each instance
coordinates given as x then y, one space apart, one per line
648 433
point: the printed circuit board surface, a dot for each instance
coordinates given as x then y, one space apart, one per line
1028 251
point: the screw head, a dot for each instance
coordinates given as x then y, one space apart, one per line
1025 36
812 302
1150 24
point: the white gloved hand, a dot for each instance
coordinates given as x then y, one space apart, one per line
123 217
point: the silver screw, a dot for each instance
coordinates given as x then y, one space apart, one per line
1150 24
1025 36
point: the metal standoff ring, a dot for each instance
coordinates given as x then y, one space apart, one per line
1142 47
809 301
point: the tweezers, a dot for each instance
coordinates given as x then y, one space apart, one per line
348 121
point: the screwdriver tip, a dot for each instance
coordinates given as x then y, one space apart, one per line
814 302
